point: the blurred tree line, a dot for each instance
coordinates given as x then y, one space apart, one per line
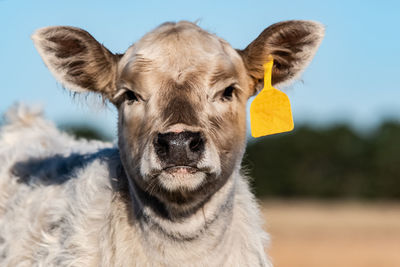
327 163
85 131
334 162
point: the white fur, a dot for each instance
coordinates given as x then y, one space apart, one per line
85 221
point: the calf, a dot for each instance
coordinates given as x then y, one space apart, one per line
171 193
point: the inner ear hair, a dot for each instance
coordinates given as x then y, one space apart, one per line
76 59
292 45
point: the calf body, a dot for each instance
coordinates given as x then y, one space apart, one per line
171 192
68 203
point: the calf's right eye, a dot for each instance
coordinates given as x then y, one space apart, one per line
130 97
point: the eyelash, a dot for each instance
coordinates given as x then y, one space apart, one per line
126 95
228 93
131 97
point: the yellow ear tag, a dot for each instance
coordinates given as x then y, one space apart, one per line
270 111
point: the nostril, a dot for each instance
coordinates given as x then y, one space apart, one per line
161 144
196 144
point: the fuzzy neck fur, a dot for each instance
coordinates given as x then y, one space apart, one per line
224 232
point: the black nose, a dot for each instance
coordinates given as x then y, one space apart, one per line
179 149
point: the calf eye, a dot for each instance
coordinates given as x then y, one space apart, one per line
130 97
228 92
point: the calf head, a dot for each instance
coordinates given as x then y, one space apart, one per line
181 96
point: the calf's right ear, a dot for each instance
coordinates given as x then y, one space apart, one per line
76 59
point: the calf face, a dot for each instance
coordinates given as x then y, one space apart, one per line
181 96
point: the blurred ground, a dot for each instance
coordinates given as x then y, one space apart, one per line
321 234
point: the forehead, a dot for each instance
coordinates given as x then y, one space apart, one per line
178 49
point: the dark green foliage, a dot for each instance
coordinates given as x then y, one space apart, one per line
85 131
327 163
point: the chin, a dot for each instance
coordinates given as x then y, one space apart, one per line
181 178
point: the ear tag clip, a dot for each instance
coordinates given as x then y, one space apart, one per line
270 111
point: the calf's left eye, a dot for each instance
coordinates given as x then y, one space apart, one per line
228 93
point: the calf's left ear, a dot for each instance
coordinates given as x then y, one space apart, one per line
76 59
292 45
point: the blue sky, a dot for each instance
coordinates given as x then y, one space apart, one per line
354 78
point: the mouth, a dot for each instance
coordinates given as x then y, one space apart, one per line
182 170
181 177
